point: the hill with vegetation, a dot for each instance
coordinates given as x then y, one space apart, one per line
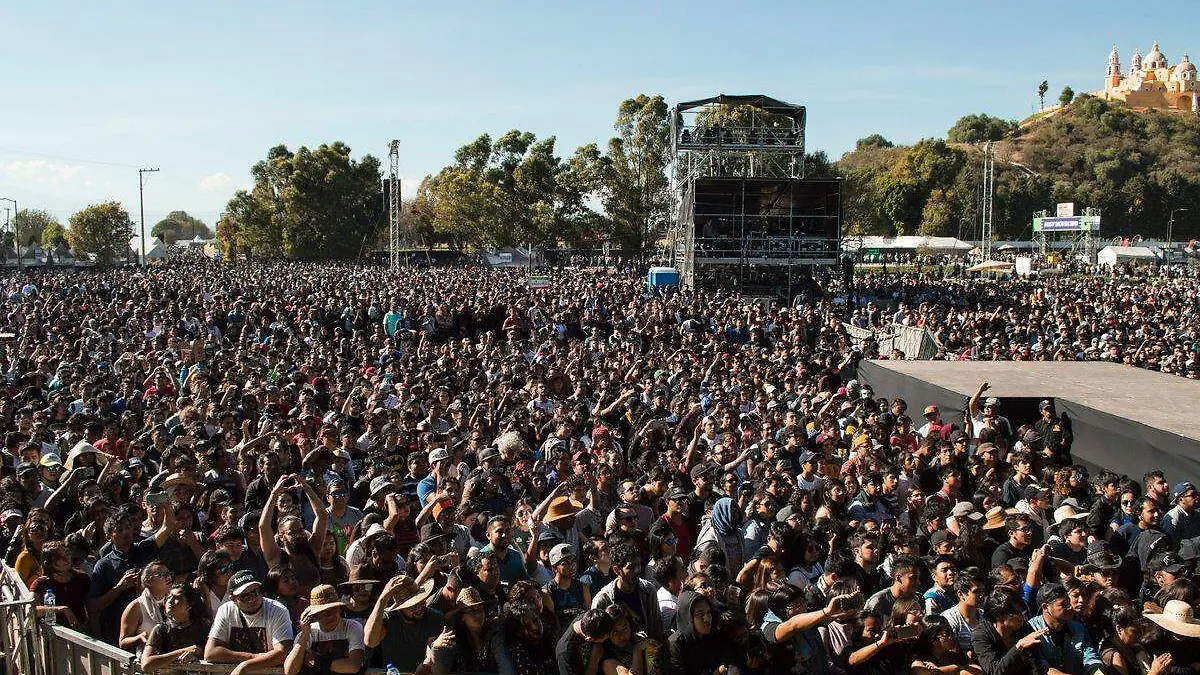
1136 167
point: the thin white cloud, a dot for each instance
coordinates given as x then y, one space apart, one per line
214 182
40 171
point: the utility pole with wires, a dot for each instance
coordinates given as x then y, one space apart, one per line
394 205
142 205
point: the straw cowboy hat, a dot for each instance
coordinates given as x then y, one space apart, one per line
562 507
468 597
408 594
323 597
996 517
1179 618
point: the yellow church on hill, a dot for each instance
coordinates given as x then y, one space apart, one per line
1151 83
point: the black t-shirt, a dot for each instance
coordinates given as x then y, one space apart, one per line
166 637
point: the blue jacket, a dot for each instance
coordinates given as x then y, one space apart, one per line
1071 650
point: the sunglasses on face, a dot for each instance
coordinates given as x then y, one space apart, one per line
249 595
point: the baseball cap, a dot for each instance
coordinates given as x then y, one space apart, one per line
561 552
1045 405
438 454
966 510
243 581
1182 488
807 457
1169 562
26 467
1032 491
50 459
939 537
700 470
380 483
992 401
930 409
549 535
677 494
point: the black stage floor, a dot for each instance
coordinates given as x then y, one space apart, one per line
1129 420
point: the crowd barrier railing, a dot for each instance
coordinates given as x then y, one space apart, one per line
20 631
30 647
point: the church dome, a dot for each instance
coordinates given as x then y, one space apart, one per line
1155 59
1186 70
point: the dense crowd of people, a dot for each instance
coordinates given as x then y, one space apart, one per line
322 468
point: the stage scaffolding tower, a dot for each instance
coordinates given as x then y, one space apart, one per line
747 219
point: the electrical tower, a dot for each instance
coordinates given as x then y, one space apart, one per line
986 229
393 196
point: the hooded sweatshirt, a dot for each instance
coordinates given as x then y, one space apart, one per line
724 529
689 653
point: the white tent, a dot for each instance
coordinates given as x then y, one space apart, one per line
991 266
912 243
1111 255
155 249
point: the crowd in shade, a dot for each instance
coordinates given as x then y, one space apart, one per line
325 468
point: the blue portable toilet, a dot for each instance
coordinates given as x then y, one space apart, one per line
660 277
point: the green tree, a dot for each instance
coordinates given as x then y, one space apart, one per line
631 177
1067 95
311 204
509 192
53 234
1042 89
977 128
102 229
873 141
179 225
30 223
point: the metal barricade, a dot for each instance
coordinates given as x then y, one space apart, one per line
20 639
69 651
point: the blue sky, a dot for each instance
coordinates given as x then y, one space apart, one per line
92 90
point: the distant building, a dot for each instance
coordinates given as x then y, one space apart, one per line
1151 83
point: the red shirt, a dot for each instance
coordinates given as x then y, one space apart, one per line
683 537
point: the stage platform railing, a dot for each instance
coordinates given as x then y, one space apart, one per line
916 343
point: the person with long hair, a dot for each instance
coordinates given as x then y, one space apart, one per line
525 635
331 566
70 586
471 642
1123 651
215 567
283 587
294 546
180 638
145 611
37 530
938 652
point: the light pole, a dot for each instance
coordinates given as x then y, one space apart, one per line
1171 223
16 234
142 204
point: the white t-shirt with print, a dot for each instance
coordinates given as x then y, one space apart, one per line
349 630
273 616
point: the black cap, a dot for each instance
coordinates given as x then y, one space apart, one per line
1168 562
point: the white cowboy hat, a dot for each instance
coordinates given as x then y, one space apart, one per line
1068 512
1179 618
